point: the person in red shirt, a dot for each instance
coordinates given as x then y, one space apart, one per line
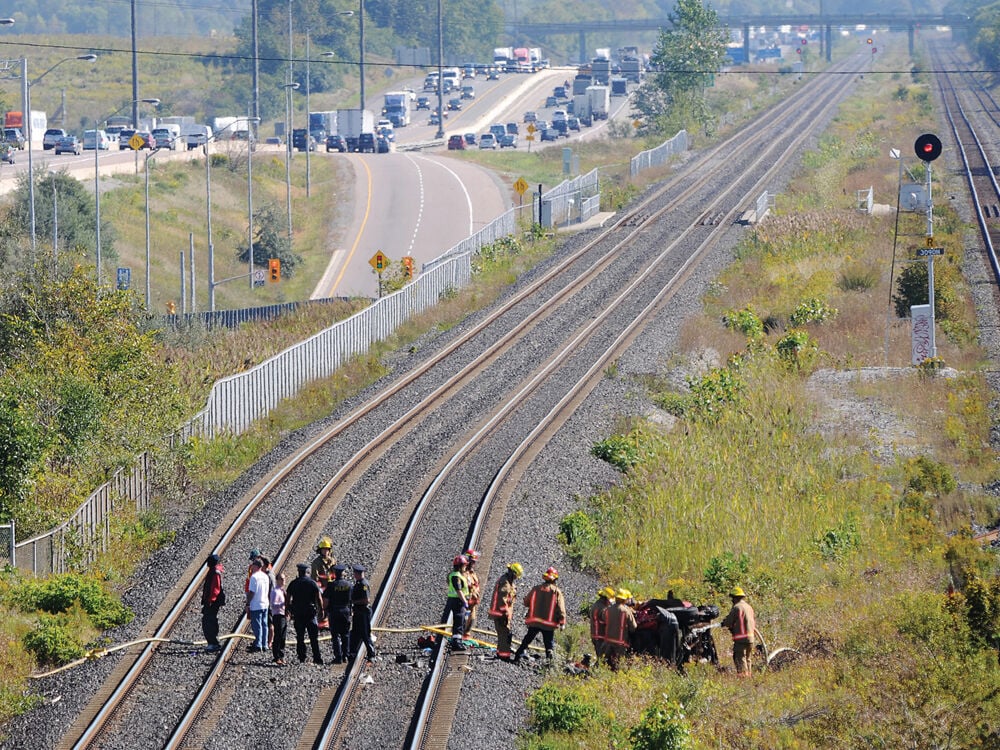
212 597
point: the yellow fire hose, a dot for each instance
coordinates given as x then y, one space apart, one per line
98 653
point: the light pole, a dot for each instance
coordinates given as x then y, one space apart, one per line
208 210
146 170
289 88
308 123
26 97
250 144
440 130
97 178
361 28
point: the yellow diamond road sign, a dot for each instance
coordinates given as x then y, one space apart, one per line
520 185
136 142
379 262
531 127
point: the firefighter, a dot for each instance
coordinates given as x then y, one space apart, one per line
458 597
742 623
322 564
599 619
619 627
474 595
337 599
361 615
546 612
502 607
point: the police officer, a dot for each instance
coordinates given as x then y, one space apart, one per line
361 624
337 597
304 601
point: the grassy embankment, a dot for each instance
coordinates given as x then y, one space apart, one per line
838 524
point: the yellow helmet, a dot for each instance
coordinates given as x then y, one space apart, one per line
607 592
737 591
325 543
623 594
516 569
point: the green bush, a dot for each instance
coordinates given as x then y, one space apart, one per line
58 594
677 404
621 451
715 392
559 709
797 349
839 541
813 310
578 530
857 278
745 321
663 727
54 640
726 570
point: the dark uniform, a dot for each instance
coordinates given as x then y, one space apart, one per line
337 598
211 599
361 625
303 601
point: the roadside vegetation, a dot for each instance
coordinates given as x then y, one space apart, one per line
851 534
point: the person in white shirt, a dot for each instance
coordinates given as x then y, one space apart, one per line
258 602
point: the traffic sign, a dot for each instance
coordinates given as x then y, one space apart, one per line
529 137
123 278
930 241
520 185
531 127
379 262
136 142
258 277
923 252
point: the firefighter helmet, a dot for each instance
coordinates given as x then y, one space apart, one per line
737 591
472 554
460 560
623 595
516 568
325 543
551 574
607 592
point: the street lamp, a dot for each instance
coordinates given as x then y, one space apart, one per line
26 97
208 212
289 88
361 27
308 122
97 176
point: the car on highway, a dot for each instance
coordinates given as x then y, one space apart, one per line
498 130
508 140
468 92
68 144
513 128
550 134
470 139
51 138
456 143
551 101
14 137
102 140
530 116
487 140
573 123
126 135
7 153
166 139
301 140
560 92
423 102
455 105
383 145
336 142
493 75
469 71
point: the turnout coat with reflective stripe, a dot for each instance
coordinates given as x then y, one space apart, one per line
546 607
621 622
741 621
501 606
599 619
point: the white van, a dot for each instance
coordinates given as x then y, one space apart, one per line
102 140
196 135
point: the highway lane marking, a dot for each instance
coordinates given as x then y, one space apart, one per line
420 204
361 231
468 198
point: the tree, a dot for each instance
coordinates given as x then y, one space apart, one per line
687 55
270 241
62 199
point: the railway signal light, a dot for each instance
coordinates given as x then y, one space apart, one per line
927 147
274 269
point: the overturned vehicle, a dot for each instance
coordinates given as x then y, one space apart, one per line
676 631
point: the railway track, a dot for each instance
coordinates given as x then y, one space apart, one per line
436 454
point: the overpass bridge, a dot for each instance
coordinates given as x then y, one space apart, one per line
826 22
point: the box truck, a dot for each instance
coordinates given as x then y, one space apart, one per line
355 123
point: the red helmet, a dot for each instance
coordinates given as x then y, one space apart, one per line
472 554
460 560
551 574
